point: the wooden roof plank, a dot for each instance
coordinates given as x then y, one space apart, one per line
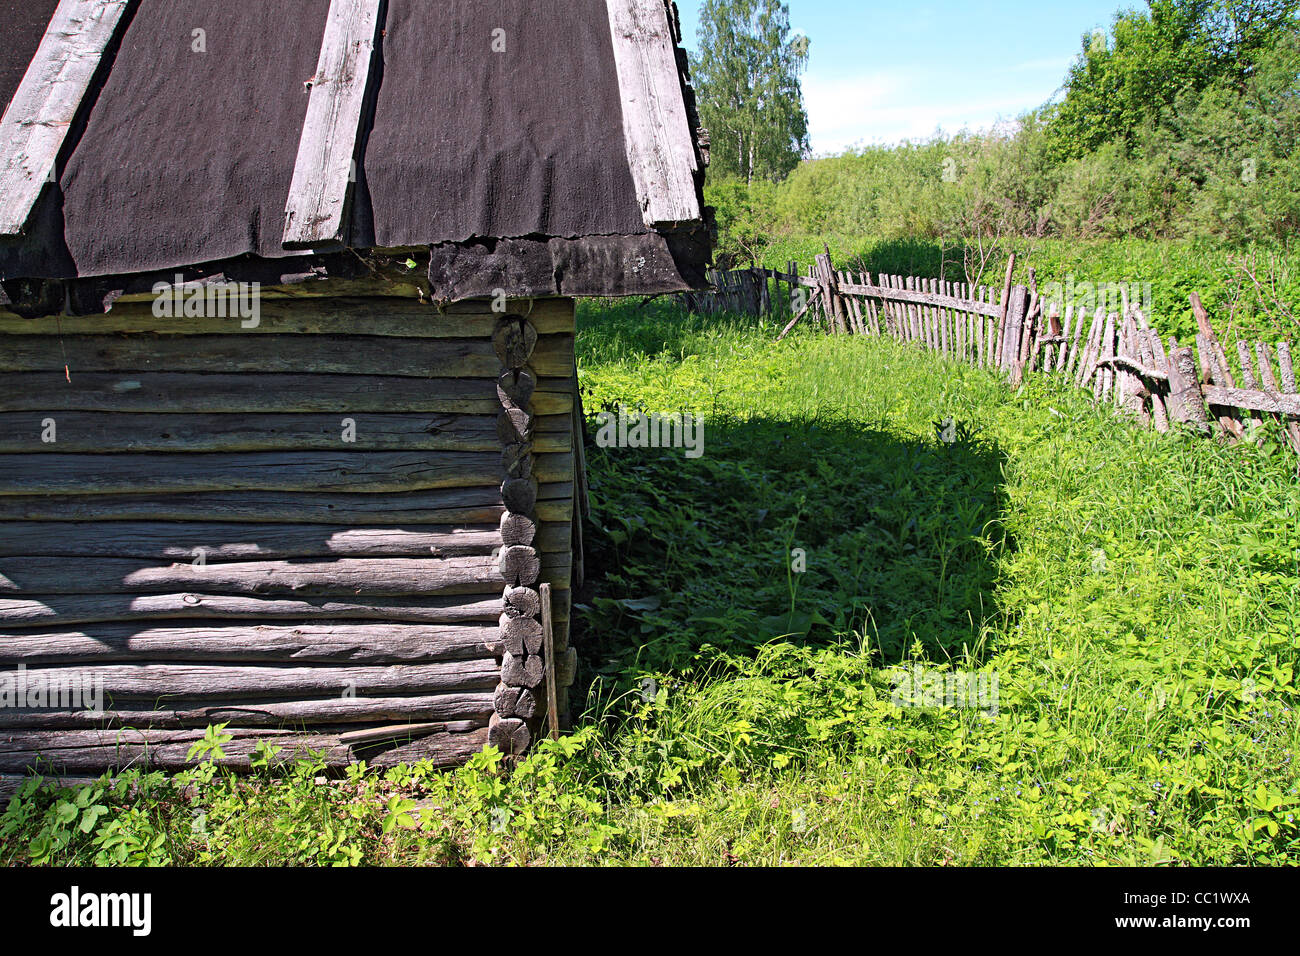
38 118
325 170
660 143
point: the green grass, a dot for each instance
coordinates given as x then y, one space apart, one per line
1137 597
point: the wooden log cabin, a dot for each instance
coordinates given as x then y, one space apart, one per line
290 436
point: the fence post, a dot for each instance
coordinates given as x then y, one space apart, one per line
826 283
1187 402
1013 311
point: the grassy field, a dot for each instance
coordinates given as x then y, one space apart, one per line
861 511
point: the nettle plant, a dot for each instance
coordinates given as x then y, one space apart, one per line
288 812
109 823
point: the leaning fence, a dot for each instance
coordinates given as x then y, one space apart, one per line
1114 353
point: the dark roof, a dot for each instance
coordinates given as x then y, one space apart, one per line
183 159
24 22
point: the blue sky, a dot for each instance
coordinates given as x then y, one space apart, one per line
885 72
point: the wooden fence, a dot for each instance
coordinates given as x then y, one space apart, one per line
1114 353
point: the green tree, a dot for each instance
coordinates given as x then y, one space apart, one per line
747 79
1134 79
1240 146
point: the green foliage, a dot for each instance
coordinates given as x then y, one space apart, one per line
1129 81
749 96
744 215
1153 62
92 824
899 538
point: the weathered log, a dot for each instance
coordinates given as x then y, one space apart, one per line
510 735
351 576
548 649
277 354
520 494
517 529
1270 386
1254 400
241 542
889 294
557 569
336 316
517 460
11 783
93 751
1248 380
392 281
1215 363
1135 387
522 602
101 432
1017 313
514 425
1029 329
1135 368
1287 384
566 666
393 733
465 709
521 671
368 472
481 505
180 392
1069 333
234 682
1003 314
519 635
327 643
1105 372
515 388
440 750
1267 380
515 339
326 472
514 701
1159 413
519 565
64 610
1285 369
561 628
1092 353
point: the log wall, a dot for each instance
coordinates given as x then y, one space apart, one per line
327 529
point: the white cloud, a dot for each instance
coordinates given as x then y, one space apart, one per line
888 107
